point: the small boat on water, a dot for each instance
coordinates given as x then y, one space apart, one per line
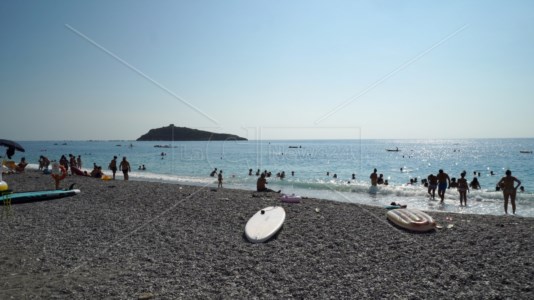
393 150
526 151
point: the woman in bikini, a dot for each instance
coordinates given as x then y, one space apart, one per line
509 190
463 187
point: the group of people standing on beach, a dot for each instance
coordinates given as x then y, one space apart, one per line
442 182
75 165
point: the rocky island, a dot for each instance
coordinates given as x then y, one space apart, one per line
173 133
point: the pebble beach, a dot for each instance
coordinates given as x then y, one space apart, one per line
148 240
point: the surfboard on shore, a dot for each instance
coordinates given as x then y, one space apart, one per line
25 197
264 224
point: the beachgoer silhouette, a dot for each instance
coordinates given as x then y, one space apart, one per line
509 190
374 178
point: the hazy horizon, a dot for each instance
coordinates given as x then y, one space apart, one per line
289 70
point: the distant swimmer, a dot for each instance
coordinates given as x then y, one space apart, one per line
453 183
509 190
380 179
474 184
374 178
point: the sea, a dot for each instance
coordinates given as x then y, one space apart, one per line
322 168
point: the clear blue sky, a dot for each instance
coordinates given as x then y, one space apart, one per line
267 69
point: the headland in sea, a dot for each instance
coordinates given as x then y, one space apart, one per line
153 240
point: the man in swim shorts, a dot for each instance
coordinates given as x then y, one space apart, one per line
509 190
443 182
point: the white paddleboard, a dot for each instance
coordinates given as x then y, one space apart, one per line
264 224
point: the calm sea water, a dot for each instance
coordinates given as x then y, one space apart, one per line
191 163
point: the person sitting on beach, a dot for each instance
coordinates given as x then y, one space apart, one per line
97 172
260 184
21 165
432 185
374 178
453 183
463 188
509 190
474 184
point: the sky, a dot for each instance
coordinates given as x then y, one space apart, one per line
112 70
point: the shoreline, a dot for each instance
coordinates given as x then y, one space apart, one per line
417 197
122 239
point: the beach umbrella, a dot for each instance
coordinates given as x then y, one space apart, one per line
11 147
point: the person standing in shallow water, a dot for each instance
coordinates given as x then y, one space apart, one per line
125 167
374 178
432 185
463 188
443 182
113 166
220 179
509 190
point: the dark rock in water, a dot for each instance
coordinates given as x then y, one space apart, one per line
173 133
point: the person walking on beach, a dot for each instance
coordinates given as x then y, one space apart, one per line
432 185
463 188
220 179
125 167
443 182
374 178
113 166
79 162
509 190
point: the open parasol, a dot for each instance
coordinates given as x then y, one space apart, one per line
12 146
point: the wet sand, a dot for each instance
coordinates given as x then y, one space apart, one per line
130 240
